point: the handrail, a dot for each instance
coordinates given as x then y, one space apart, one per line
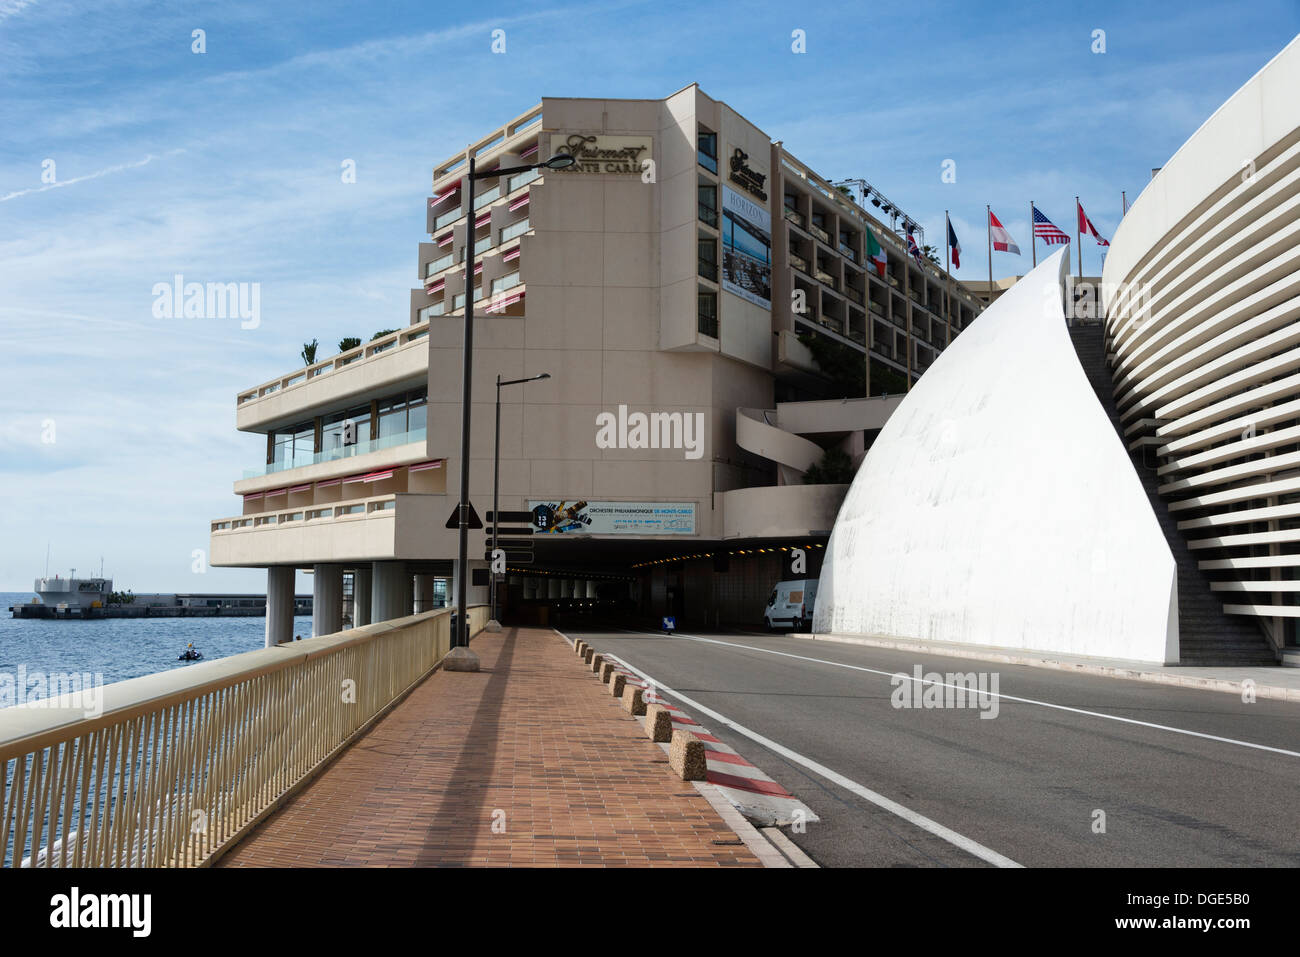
175 767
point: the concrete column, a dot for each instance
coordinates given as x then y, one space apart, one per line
552 588
423 593
279 604
474 594
326 600
390 591
361 596
591 589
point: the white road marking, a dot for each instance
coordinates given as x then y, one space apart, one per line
924 823
1004 697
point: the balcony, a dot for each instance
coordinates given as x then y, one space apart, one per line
521 179
799 263
793 216
514 229
438 265
825 277
505 282
392 526
393 359
849 252
853 293
303 460
448 217
708 270
820 233
708 215
491 196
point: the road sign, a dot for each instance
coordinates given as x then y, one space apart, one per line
454 520
670 623
525 518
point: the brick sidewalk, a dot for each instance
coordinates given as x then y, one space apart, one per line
534 734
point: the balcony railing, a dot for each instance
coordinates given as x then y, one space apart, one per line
232 739
438 265
302 460
482 245
854 294
823 276
449 217
514 229
799 263
794 216
708 215
505 282
819 233
708 161
709 270
458 302
521 179
491 196
849 252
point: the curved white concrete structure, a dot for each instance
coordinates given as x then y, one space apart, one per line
793 454
1202 295
998 506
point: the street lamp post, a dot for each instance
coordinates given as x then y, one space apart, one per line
461 637
496 480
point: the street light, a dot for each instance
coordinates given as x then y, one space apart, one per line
461 638
496 481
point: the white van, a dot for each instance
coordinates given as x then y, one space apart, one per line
791 605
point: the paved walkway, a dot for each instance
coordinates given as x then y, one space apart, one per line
534 739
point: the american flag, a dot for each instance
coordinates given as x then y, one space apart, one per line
1046 231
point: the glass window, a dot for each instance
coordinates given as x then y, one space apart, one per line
392 417
708 147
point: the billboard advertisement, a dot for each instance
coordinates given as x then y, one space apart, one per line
746 249
613 518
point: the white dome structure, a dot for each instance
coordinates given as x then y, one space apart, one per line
998 506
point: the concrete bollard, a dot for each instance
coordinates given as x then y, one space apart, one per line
633 700
686 756
617 684
596 662
606 672
579 648
658 723
587 652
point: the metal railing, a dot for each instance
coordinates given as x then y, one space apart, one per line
708 215
173 768
304 459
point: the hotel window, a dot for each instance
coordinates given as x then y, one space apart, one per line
708 149
708 204
403 413
708 258
708 313
334 431
294 447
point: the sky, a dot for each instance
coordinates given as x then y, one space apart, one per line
126 158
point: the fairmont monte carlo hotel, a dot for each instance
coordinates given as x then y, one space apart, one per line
697 338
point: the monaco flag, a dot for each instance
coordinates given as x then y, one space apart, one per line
1002 240
1086 226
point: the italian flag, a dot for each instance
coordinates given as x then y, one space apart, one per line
875 254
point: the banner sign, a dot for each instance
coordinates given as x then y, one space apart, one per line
613 518
746 249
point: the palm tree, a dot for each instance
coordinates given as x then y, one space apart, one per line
309 353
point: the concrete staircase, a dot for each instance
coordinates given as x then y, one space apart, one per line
1206 636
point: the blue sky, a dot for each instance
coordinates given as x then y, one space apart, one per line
225 166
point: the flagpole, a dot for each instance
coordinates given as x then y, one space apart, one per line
1078 216
988 227
1033 243
947 268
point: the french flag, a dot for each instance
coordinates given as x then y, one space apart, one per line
954 247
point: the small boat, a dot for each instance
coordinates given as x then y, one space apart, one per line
190 654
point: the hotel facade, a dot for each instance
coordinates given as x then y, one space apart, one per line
684 270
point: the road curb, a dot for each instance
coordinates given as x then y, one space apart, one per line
977 653
761 846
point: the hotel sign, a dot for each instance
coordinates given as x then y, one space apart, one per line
604 154
745 176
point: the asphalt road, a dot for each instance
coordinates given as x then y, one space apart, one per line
1026 785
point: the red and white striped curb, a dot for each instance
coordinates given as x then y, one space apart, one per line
753 793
